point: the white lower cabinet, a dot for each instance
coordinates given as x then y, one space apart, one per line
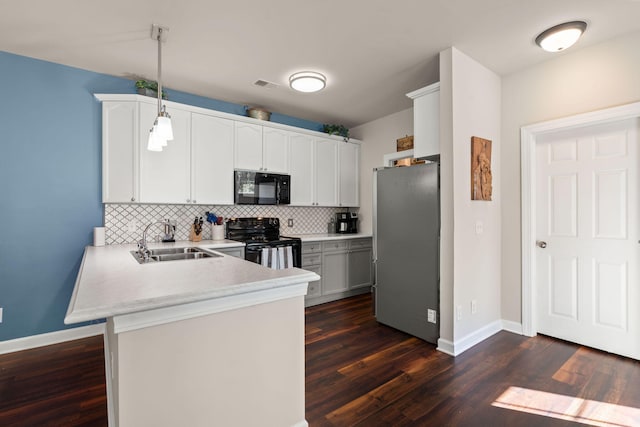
345 267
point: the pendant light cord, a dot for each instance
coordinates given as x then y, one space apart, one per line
159 70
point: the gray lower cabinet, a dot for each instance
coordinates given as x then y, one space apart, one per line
345 267
237 252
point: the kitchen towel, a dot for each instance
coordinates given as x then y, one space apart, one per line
288 257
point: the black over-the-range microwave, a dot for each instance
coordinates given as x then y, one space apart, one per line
261 188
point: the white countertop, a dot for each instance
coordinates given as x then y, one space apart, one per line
324 236
111 282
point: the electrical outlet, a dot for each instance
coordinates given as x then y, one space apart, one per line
459 312
431 315
132 227
290 222
474 306
479 227
0 314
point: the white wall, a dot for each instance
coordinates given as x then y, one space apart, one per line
378 138
593 78
474 106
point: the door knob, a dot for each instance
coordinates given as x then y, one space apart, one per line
541 244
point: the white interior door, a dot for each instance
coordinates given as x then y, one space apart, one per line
587 234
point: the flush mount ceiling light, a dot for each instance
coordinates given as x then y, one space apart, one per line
561 36
307 81
162 131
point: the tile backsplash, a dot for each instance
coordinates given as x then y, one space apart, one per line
124 223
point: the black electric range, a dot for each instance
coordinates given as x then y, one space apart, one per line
260 233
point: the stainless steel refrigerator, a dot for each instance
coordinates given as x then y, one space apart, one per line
406 239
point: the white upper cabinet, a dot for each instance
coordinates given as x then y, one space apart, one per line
302 169
261 148
326 172
197 166
165 175
119 154
275 150
349 159
248 146
211 160
426 121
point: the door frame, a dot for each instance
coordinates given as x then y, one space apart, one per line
528 140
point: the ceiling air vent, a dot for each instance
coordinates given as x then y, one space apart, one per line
264 83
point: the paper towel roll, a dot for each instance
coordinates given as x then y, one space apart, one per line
98 236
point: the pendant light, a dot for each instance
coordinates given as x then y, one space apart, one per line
162 131
561 36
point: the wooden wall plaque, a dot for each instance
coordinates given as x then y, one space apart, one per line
481 185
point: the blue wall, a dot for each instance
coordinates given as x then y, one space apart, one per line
50 183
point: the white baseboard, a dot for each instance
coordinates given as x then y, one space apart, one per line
510 326
446 347
459 346
56 337
302 423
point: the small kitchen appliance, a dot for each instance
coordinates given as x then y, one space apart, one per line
347 222
260 188
261 236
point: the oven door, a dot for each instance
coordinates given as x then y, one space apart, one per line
254 252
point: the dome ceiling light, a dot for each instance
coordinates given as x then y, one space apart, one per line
307 81
561 36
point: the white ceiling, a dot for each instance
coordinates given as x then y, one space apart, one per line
372 51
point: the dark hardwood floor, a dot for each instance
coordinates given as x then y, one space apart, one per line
57 385
361 373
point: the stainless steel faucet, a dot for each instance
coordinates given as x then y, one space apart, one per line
142 244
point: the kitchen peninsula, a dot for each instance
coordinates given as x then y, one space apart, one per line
212 341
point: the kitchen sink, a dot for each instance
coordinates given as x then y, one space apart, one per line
171 251
173 254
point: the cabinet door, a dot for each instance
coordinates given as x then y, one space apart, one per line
301 155
275 150
426 123
315 288
119 154
235 252
326 172
165 176
248 146
334 272
349 174
360 268
211 160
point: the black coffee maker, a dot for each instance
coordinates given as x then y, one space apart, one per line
347 222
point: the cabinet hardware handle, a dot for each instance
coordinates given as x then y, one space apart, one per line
541 244
188 200
133 199
194 200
